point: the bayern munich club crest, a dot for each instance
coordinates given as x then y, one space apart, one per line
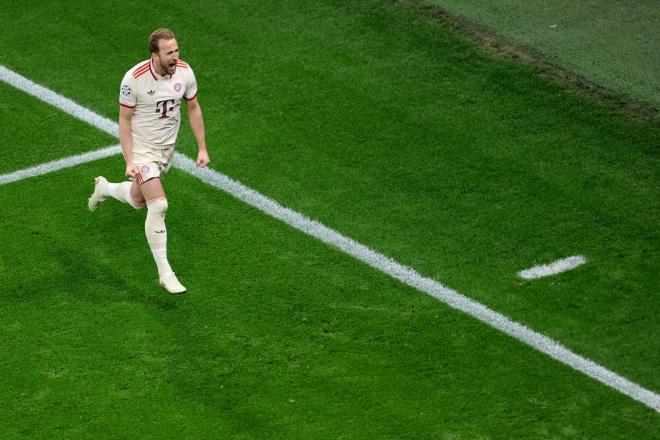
177 87
145 169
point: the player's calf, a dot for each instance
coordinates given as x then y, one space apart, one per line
154 228
122 192
118 191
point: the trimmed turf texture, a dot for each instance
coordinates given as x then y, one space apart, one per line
23 114
610 42
382 125
279 336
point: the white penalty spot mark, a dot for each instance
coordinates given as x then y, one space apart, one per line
553 268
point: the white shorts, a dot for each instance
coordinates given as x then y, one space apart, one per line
151 162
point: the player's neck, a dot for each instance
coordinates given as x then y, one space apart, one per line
158 68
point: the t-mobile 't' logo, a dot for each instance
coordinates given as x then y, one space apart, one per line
162 107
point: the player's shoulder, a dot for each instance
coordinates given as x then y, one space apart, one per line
140 69
185 69
183 65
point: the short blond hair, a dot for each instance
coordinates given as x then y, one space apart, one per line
156 36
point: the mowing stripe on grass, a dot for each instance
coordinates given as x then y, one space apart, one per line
59 101
559 266
412 278
374 259
59 164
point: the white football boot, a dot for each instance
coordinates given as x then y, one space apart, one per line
100 185
170 283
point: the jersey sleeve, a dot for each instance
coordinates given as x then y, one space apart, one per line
191 86
127 91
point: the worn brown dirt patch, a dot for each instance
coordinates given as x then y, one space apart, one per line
500 47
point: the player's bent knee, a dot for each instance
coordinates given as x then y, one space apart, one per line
135 199
135 203
157 206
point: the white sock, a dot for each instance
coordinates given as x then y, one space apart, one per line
122 192
154 228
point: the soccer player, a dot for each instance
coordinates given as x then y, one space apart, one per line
149 119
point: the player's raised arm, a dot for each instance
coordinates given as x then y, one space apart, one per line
126 138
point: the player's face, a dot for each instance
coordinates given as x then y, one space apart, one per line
167 56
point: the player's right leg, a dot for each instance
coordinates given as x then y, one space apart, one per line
156 232
126 192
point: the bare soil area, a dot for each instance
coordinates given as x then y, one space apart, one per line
500 47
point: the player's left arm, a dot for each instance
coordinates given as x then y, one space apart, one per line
194 111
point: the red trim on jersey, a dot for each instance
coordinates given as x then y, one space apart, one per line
141 66
126 105
152 72
142 73
190 99
180 63
140 70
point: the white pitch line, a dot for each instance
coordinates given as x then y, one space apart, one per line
413 279
59 164
559 266
389 266
59 101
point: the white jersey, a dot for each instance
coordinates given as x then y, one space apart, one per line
156 100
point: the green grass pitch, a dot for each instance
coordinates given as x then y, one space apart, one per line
611 42
379 124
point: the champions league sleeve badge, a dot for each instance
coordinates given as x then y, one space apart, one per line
125 90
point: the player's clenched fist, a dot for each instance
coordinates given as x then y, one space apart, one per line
131 170
203 159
